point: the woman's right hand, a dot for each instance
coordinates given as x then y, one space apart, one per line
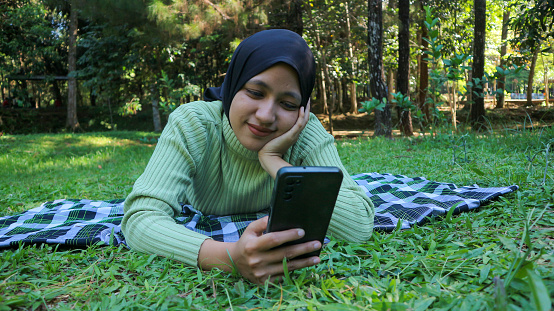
257 260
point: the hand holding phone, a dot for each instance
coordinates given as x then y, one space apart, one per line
304 197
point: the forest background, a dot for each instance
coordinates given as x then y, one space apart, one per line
101 65
444 66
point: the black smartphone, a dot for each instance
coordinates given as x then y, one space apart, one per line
304 197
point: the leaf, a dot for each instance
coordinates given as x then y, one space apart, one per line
450 212
508 243
424 304
500 300
199 275
484 273
112 288
477 171
539 293
432 247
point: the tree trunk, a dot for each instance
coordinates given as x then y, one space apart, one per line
377 84
92 98
344 84
453 106
423 73
155 108
2 87
502 80
322 64
72 122
340 102
332 102
286 15
478 70
403 74
323 92
546 90
390 84
353 99
532 75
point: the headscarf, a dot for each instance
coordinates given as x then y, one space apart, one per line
259 52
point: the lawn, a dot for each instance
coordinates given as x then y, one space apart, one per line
500 256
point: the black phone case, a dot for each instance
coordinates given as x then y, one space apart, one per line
304 197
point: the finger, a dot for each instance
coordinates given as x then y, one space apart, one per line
307 110
303 263
300 123
295 264
277 238
257 227
292 251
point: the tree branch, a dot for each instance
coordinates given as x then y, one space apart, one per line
208 2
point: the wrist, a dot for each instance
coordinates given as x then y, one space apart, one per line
272 163
214 254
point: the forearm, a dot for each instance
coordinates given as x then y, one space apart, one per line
272 163
162 236
214 254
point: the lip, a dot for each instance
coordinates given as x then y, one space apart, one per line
259 130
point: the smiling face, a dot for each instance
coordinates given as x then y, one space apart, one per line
266 107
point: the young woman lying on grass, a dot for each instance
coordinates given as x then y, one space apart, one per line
221 156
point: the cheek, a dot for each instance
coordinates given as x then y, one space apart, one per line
288 119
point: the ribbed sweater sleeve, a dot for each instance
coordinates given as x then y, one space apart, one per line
148 223
353 216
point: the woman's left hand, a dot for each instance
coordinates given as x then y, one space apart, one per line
271 155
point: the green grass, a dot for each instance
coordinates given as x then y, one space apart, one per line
499 257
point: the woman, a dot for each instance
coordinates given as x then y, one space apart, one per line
221 156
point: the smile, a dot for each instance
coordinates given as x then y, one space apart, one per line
259 130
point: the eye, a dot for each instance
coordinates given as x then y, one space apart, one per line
254 93
289 106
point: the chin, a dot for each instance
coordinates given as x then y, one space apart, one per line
254 146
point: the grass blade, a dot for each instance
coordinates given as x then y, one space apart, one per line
539 293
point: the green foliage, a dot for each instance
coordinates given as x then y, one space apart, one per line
327 20
436 78
130 108
455 66
497 257
31 43
175 94
403 102
455 25
52 120
374 103
500 73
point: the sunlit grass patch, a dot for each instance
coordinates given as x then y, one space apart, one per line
47 167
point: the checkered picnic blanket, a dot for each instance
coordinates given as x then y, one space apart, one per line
396 198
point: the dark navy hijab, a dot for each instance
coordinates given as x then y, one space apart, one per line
259 52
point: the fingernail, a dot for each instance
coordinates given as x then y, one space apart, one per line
316 245
316 260
301 232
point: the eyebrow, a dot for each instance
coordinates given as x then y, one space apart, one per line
265 85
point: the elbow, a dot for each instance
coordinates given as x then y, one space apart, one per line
364 233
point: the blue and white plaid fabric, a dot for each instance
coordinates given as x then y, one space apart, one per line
86 222
415 200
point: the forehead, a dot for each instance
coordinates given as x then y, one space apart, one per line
277 74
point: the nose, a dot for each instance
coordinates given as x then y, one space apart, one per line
265 113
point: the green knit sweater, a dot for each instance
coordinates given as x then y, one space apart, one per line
198 160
